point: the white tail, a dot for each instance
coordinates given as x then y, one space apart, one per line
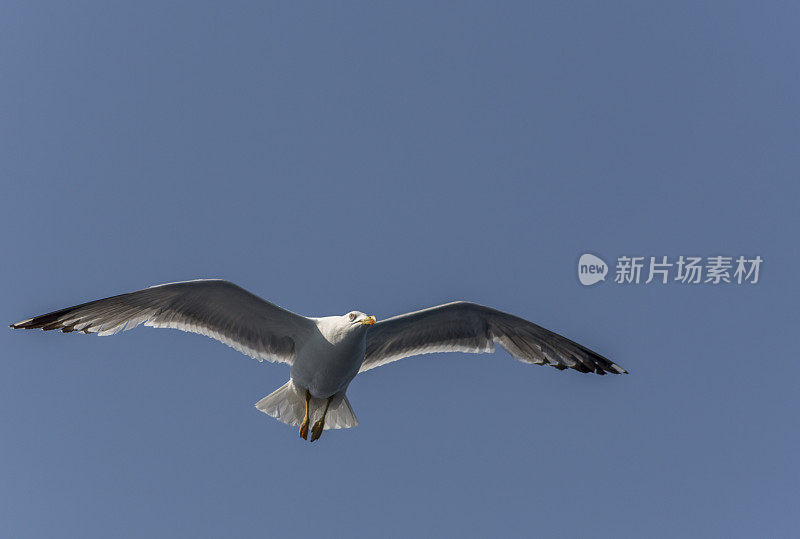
288 404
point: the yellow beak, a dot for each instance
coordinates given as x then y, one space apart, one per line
368 321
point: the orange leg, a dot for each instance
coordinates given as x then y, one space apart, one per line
319 426
304 425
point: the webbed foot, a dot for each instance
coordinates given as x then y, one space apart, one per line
316 430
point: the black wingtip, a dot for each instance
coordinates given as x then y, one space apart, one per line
618 369
45 322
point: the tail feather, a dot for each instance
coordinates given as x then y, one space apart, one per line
340 414
287 404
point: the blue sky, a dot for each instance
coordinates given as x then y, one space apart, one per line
387 158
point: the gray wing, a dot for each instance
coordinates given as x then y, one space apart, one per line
215 308
468 327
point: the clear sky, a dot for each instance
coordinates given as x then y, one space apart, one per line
385 158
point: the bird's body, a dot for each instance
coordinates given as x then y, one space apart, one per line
326 365
325 353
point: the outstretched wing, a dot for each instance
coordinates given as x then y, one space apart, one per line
215 308
468 327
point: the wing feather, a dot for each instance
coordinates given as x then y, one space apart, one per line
212 307
467 327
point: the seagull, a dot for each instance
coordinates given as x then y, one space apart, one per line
326 353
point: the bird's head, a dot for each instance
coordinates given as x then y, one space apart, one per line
358 319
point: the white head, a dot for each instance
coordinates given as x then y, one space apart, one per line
338 328
357 318
351 325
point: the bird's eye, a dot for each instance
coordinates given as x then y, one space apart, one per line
352 316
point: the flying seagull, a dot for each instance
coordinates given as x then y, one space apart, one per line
324 353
